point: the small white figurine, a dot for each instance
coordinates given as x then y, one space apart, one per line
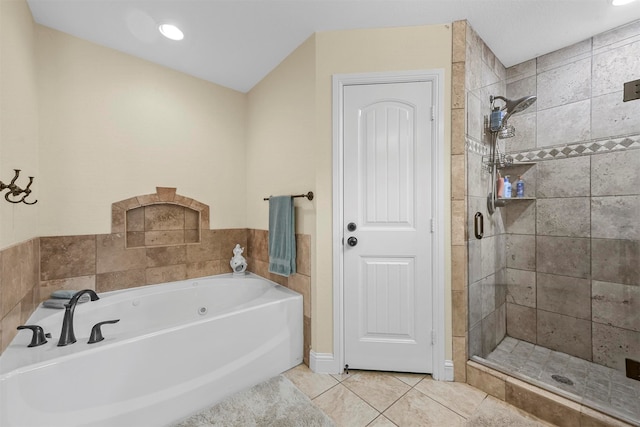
238 262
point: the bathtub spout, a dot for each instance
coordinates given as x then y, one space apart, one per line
67 335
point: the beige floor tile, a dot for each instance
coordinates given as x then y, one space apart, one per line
345 408
342 377
308 382
496 413
378 389
459 397
416 409
409 379
381 421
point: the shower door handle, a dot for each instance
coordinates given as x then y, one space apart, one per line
478 225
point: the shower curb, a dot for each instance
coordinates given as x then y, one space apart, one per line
543 404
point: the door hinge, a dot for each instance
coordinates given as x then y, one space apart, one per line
433 113
433 225
433 337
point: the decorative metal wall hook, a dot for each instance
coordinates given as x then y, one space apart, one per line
13 195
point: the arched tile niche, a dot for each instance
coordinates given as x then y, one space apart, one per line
163 218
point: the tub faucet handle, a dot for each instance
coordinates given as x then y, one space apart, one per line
39 337
96 332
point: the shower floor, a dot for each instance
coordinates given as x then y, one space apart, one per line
594 385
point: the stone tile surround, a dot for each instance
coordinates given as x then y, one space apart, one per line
582 285
478 294
458 206
19 287
31 271
572 254
572 261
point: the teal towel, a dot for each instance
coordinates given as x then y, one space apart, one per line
64 294
55 303
60 302
282 236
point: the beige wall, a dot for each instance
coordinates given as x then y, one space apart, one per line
390 49
18 119
114 126
289 144
280 139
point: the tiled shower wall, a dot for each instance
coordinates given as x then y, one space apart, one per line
484 289
30 271
573 253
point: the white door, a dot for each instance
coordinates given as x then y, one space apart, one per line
388 209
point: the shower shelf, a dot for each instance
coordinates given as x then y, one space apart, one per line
513 166
516 164
502 202
513 199
503 163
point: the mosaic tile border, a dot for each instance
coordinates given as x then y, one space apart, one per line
578 149
562 151
476 147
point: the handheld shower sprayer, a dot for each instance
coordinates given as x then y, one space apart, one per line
500 115
500 129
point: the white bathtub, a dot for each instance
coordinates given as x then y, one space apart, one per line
178 347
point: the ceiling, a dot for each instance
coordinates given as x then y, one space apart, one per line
235 43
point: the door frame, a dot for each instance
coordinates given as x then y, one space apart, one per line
442 368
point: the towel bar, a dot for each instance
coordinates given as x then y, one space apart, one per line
309 196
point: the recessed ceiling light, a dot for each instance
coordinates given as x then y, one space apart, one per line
621 2
171 31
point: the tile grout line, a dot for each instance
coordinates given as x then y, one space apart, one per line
340 383
380 413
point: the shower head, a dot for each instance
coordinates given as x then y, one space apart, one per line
515 106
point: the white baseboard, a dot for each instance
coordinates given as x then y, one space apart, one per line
448 370
323 363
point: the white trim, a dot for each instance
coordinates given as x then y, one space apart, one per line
448 370
323 363
441 369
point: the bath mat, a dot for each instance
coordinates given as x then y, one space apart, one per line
275 402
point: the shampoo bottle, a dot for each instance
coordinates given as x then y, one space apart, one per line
520 187
507 187
499 186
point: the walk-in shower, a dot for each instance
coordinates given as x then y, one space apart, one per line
499 128
553 279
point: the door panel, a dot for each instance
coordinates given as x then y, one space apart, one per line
388 163
387 273
387 304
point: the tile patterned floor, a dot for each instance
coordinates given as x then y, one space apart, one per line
382 399
592 384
